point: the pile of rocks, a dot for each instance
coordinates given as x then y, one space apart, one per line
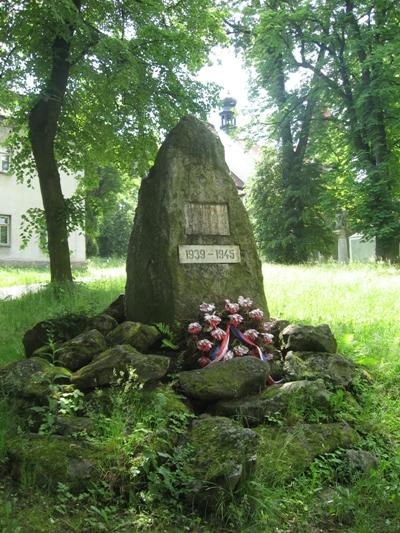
226 398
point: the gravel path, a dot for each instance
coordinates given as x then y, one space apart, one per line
9 293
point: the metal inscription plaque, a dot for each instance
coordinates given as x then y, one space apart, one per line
209 253
206 219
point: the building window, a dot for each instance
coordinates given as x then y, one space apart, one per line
5 230
4 162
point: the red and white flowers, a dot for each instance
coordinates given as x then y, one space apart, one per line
207 308
194 328
245 303
235 319
236 330
204 345
212 321
218 334
251 334
256 314
240 350
231 308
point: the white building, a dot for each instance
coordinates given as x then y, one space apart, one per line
15 199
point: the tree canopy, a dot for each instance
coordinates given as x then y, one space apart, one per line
95 83
332 65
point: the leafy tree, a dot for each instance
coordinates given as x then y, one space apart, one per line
110 205
93 83
266 200
291 210
350 46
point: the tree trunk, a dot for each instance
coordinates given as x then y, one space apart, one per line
43 121
42 141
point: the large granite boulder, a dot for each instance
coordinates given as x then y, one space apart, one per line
299 397
106 368
79 351
32 378
189 198
289 450
299 338
223 456
140 336
235 378
334 369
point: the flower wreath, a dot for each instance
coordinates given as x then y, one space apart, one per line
237 330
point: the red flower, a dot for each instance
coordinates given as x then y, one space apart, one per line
245 303
235 319
267 338
231 307
194 328
256 314
204 345
251 334
203 361
218 334
212 320
207 308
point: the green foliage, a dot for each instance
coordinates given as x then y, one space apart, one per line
131 77
326 82
274 226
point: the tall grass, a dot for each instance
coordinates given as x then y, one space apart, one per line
361 303
18 315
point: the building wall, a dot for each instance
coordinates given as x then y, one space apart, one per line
15 200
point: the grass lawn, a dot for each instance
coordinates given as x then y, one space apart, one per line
361 303
95 268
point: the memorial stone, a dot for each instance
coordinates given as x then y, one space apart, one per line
192 240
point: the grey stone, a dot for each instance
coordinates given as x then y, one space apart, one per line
301 338
359 462
140 336
223 456
106 368
103 323
32 378
189 179
117 309
55 459
277 401
71 425
58 329
79 351
235 378
334 369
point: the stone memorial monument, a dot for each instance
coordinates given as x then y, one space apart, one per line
192 240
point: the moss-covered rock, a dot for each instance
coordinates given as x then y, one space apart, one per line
300 338
103 323
287 451
225 380
31 378
116 309
57 329
106 368
140 336
334 369
279 400
223 456
70 425
80 350
48 460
